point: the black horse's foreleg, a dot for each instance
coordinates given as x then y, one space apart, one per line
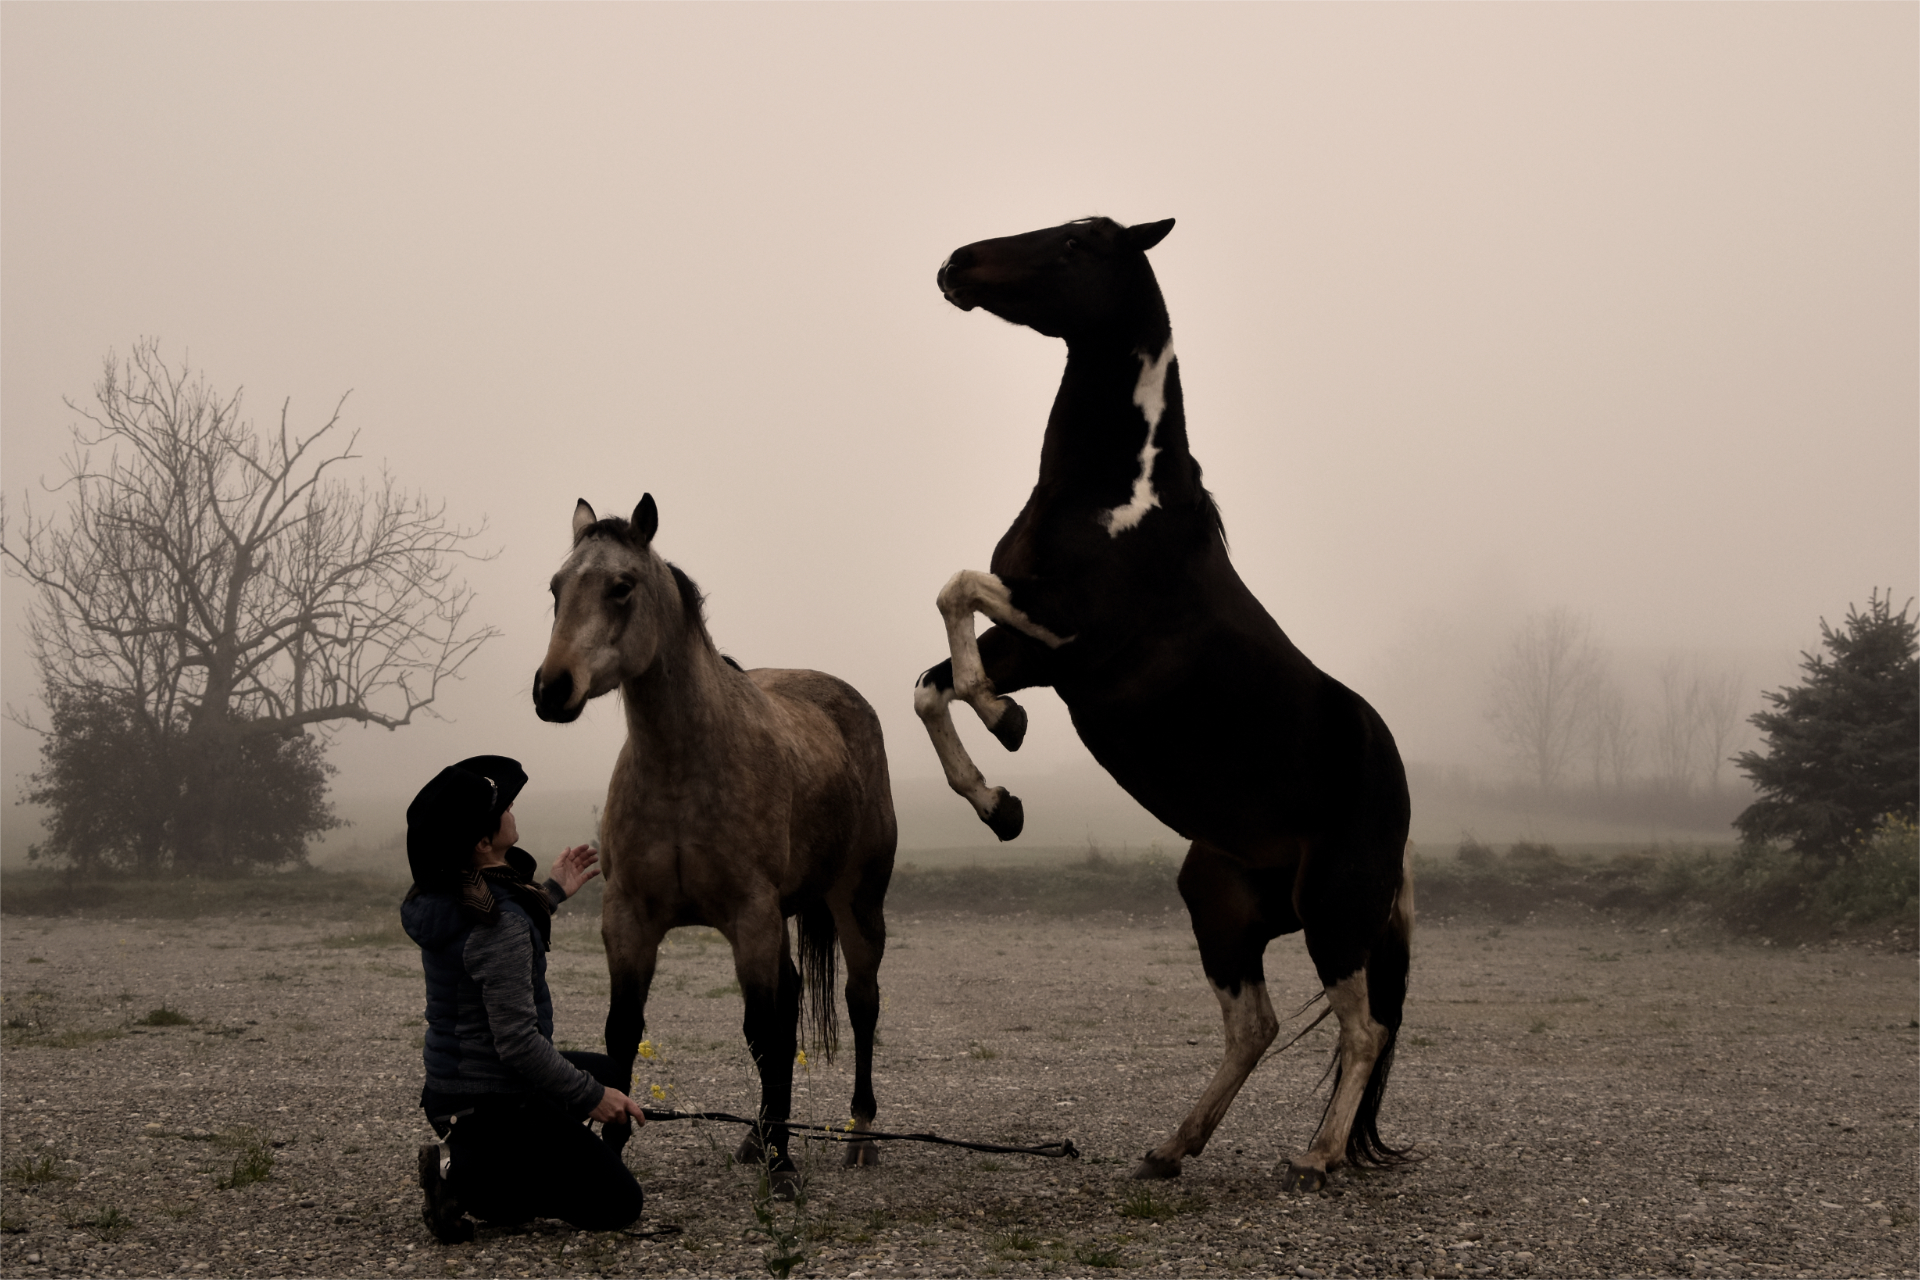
1010 661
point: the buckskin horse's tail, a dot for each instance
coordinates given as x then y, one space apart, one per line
818 971
1387 967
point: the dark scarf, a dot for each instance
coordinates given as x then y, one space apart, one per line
480 891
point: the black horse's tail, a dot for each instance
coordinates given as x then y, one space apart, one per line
1387 968
818 970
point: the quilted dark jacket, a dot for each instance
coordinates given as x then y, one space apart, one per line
489 1013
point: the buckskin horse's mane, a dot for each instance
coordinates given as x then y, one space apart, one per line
620 529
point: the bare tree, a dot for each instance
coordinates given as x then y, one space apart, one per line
1542 691
1717 707
1613 737
221 584
1676 730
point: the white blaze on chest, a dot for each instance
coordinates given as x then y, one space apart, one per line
1150 397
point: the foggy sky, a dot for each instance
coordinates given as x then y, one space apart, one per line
1480 309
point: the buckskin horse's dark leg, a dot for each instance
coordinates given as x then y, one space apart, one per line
770 987
633 948
863 940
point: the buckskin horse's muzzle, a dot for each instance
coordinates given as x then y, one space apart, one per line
550 698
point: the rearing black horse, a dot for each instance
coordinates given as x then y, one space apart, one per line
1114 587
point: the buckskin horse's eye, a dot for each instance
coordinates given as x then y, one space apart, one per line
619 592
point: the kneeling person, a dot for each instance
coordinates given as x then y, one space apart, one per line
509 1107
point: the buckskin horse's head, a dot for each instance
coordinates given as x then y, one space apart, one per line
1062 281
614 603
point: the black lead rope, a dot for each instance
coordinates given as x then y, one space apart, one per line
827 1133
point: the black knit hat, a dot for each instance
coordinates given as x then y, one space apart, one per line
457 810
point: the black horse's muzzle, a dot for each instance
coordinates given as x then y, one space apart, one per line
947 278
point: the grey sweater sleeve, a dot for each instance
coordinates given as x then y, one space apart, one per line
499 959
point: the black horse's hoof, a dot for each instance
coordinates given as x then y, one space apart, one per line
750 1150
1303 1179
1007 816
783 1185
1011 728
1152 1167
616 1135
862 1155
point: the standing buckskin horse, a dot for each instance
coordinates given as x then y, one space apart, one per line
740 798
1114 587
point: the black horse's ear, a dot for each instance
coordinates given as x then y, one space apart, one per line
1144 235
583 518
646 519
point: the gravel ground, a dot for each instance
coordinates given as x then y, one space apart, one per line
1589 1098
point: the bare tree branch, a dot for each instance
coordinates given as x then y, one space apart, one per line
225 579
1542 691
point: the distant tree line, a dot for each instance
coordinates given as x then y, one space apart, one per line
209 600
1842 748
1557 702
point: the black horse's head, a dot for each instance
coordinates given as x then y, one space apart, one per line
1063 281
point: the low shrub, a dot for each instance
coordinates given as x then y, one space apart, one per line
1097 882
1475 856
1532 861
1762 889
316 894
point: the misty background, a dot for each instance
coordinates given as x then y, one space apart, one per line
1483 312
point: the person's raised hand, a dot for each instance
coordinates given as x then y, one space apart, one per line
575 866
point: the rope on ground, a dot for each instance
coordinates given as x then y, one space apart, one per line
827 1133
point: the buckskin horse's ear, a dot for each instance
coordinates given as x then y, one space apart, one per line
583 518
646 519
1144 235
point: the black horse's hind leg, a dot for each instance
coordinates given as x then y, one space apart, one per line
863 940
1357 935
770 984
633 947
1235 913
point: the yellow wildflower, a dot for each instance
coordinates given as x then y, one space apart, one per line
659 1094
801 1057
646 1050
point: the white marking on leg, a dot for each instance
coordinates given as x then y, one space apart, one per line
1250 1027
1361 1040
966 593
930 704
1150 396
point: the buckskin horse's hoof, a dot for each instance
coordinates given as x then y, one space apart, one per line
862 1155
1303 1179
1152 1166
750 1150
1007 816
1011 727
